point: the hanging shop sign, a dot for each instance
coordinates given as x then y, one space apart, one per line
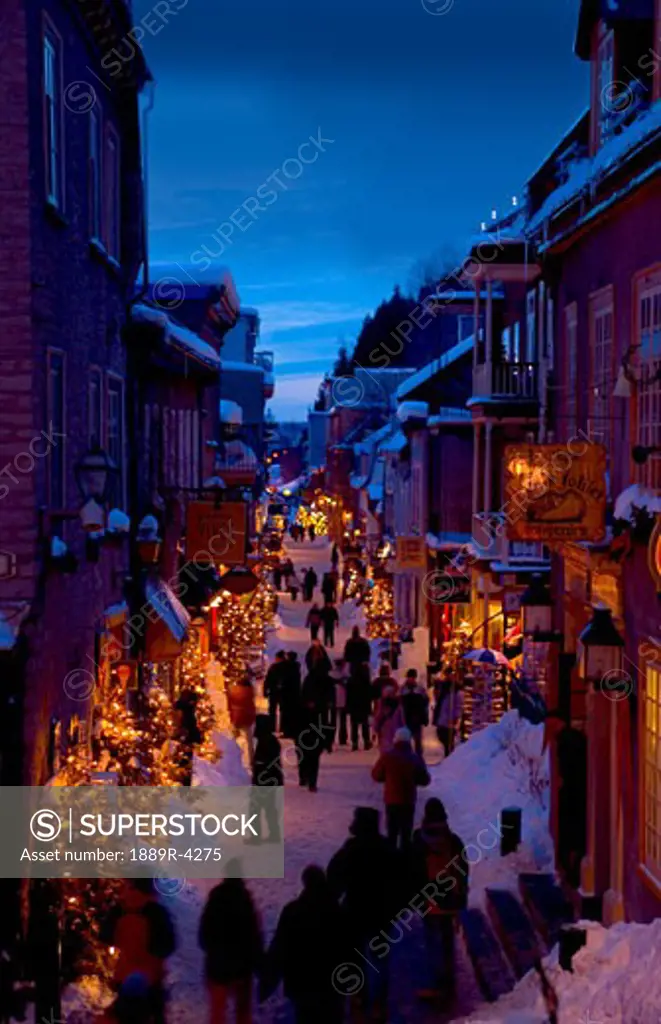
555 492
217 533
411 553
654 554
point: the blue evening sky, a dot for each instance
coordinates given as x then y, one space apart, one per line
435 119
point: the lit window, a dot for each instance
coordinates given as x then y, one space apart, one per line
651 771
52 70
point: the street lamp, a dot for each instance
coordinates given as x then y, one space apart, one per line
94 474
537 608
602 646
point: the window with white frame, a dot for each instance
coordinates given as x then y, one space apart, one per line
115 437
56 407
648 392
651 771
531 327
53 114
95 409
506 343
601 366
570 377
516 342
112 193
94 174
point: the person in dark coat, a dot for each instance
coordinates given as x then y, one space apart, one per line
415 705
316 659
327 588
335 556
366 875
440 869
273 685
308 946
188 732
310 580
277 576
402 771
330 620
230 936
357 649
313 621
290 695
312 738
359 704
334 577
311 532
266 774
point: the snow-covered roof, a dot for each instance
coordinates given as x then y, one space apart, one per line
230 412
639 497
412 411
370 441
177 335
235 365
465 294
586 172
394 444
448 414
436 366
447 541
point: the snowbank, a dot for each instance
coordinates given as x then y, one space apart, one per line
229 771
615 981
500 766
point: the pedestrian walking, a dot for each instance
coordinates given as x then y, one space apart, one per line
293 585
287 570
448 711
312 737
308 945
346 580
384 679
290 695
359 704
327 588
330 620
243 712
388 718
266 776
335 556
311 533
357 649
338 676
310 580
366 876
415 705
144 937
401 770
277 577
230 937
313 621
316 659
273 686
438 853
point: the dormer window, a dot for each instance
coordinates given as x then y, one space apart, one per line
605 98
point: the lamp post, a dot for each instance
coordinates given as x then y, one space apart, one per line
602 865
537 610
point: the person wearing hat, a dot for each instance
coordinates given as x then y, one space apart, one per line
401 770
439 866
366 877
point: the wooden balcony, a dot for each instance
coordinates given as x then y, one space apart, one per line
506 382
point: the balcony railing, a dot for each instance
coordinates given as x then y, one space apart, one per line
506 380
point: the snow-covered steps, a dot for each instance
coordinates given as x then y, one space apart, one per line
548 906
514 929
492 971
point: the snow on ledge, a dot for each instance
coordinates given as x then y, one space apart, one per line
412 411
639 497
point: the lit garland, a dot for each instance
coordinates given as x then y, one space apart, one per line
378 602
314 515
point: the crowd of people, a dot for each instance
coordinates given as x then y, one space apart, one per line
353 905
361 903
